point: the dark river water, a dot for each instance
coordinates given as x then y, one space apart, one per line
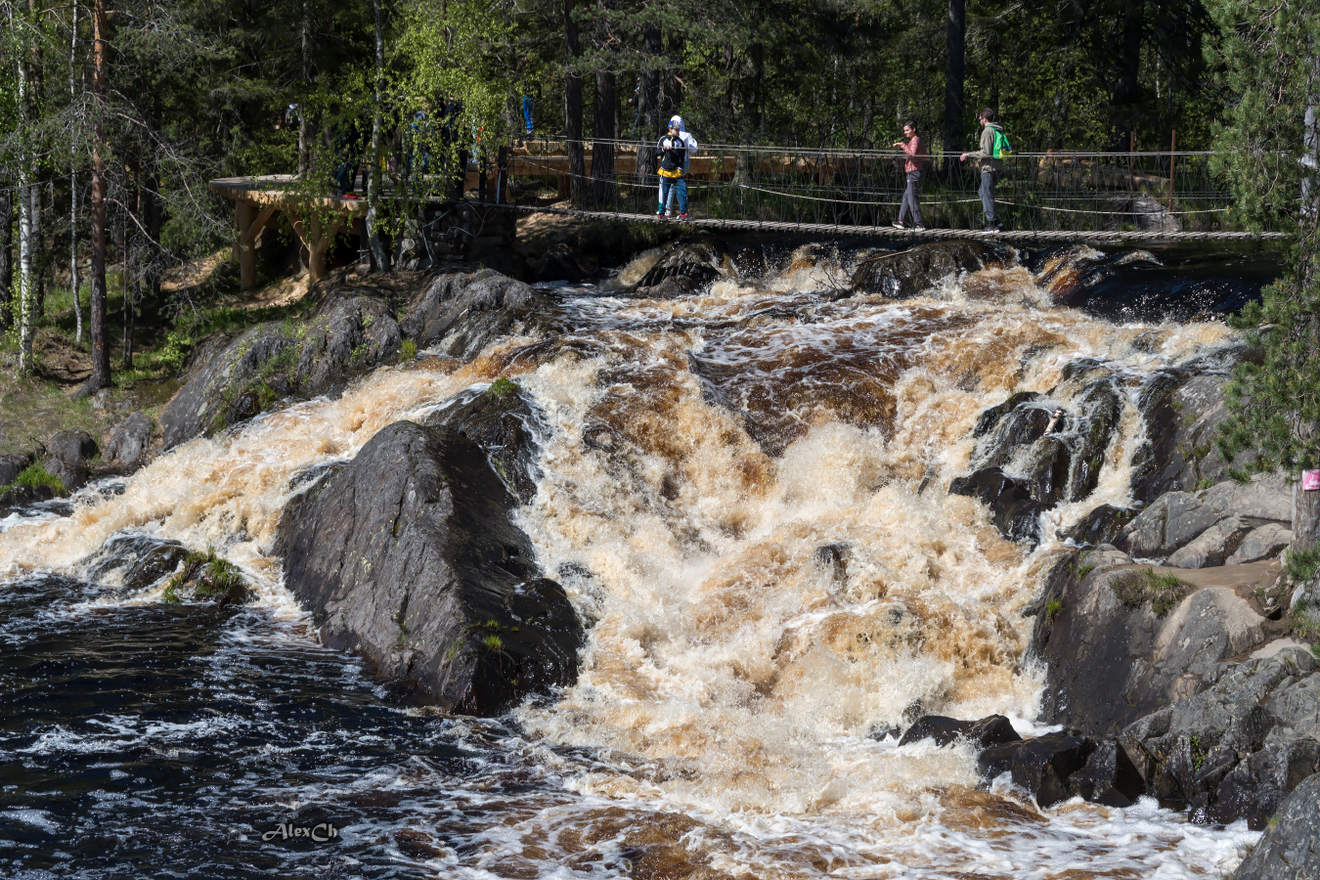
716 732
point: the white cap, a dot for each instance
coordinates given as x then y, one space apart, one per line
676 122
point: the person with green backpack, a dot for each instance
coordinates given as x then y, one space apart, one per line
994 148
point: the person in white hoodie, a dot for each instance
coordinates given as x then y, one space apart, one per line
673 153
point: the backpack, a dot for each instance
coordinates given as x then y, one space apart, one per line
1002 149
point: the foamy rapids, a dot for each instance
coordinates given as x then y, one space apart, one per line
731 492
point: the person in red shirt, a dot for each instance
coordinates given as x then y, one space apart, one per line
914 166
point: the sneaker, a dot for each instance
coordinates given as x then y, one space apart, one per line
682 216
898 224
669 214
918 229
660 210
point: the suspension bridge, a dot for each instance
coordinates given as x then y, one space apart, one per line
1041 198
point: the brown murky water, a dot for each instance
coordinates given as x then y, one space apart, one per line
731 495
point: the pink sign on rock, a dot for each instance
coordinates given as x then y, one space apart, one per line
1310 480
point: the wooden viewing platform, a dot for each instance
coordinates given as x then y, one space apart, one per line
318 219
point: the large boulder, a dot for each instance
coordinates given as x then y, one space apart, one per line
1124 642
504 422
1214 545
1014 512
130 563
685 269
69 457
1175 519
903 274
1290 850
11 465
1042 765
408 556
129 441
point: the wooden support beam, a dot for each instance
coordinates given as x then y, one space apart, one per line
263 219
244 215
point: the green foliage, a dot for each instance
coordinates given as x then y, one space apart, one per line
408 351
493 643
1302 566
1053 608
1269 68
36 476
503 390
207 576
1162 592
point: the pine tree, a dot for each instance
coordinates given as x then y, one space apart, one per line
1271 55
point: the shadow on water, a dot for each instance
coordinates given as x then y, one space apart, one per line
166 741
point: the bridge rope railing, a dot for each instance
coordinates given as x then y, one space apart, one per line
1095 191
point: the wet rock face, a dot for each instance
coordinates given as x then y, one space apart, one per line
993 730
503 422
408 557
1234 750
1016 513
460 314
1042 764
1113 657
132 563
1051 448
907 273
1291 849
684 270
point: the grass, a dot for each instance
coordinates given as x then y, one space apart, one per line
211 576
1162 592
408 351
1053 608
36 476
503 390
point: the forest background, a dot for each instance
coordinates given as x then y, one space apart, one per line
113 116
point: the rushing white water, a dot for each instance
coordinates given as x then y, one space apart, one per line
732 494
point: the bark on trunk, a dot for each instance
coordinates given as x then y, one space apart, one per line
604 128
577 162
75 282
25 231
956 40
6 256
373 166
648 99
100 377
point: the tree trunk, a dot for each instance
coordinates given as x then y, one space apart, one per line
577 161
75 283
25 231
604 125
100 377
6 256
648 99
373 165
304 132
956 39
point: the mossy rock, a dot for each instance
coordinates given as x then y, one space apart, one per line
206 577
